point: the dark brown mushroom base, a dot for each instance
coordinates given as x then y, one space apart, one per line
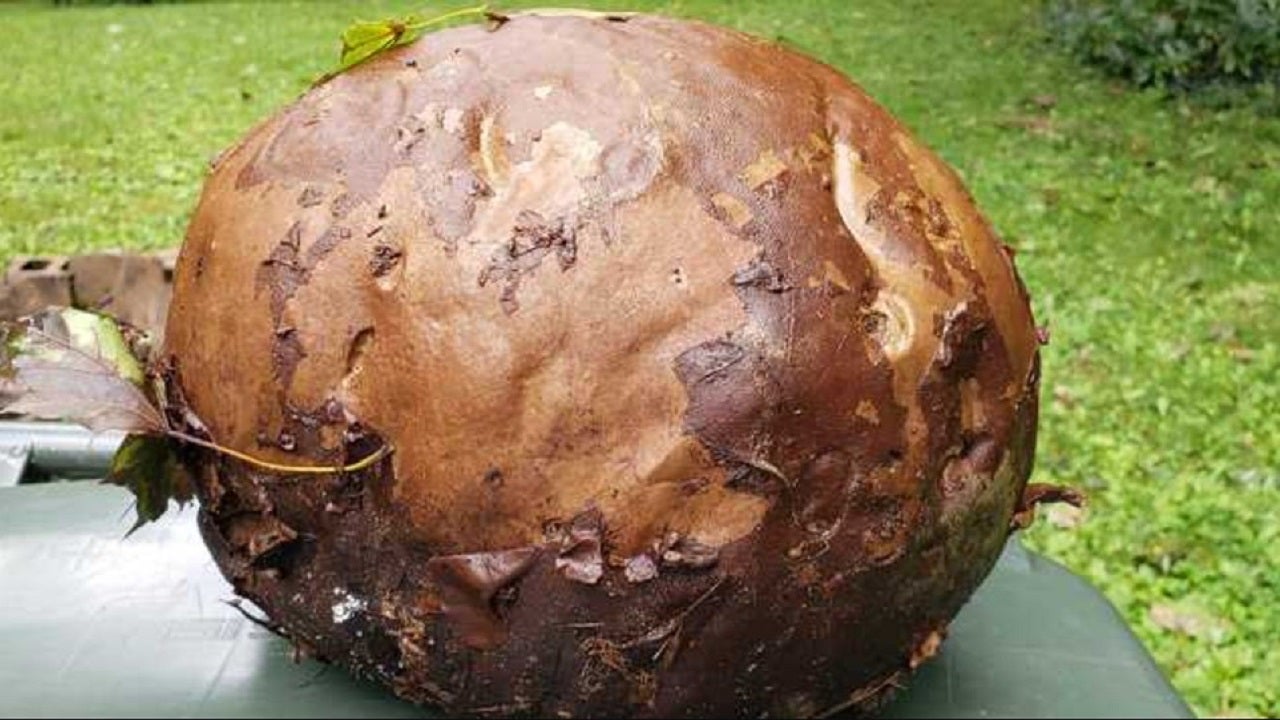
709 390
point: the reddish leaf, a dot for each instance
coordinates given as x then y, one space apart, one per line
73 365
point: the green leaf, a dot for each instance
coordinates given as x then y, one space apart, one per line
367 38
148 467
67 364
98 333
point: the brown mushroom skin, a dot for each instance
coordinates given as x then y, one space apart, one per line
710 393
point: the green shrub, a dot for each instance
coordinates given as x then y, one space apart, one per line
1179 45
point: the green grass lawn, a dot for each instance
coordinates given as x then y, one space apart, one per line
1148 232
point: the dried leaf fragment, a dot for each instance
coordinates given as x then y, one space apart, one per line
1039 493
1185 622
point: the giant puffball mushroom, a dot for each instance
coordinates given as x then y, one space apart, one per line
707 389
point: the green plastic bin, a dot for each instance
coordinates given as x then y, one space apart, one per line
93 624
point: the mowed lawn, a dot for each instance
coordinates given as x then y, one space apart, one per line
1148 232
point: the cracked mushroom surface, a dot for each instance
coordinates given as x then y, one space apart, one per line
709 390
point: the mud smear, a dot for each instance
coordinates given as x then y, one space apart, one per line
533 239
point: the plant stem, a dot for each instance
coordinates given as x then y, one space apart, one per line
277 467
477 10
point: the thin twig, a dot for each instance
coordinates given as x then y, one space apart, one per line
280 468
263 623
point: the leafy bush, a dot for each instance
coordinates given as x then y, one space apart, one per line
1178 45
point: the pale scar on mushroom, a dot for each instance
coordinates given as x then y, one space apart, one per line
897 328
734 209
763 169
